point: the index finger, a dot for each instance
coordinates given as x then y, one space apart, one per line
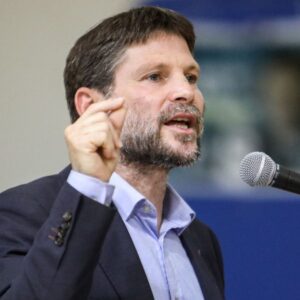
104 106
117 118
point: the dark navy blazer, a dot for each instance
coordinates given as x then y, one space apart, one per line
57 244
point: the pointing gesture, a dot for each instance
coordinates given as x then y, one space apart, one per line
94 139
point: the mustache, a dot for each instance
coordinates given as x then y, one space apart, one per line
174 109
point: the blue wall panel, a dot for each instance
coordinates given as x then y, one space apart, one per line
231 10
260 240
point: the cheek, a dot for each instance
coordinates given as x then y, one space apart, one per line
141 99
141 113
199 100
144 104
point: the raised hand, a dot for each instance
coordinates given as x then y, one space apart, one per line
94 139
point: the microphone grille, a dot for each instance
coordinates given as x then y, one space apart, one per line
257 169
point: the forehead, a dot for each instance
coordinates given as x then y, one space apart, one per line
161 48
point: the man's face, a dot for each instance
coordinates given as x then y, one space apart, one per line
158 80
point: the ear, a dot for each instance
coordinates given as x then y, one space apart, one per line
84 97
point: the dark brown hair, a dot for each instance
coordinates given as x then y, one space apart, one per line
93 59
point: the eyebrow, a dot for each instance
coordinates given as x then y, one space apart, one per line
159 66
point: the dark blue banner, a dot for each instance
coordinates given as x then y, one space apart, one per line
232 10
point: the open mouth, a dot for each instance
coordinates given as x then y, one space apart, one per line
182 121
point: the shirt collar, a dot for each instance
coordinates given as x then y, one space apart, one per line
177 213
125 197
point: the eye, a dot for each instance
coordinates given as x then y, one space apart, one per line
191 78
154 77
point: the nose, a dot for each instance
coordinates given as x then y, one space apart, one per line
180 90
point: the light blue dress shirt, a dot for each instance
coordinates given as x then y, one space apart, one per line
165 262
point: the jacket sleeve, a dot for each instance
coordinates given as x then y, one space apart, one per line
49 253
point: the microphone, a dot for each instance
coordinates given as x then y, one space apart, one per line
259 169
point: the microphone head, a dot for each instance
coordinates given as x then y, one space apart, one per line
257 169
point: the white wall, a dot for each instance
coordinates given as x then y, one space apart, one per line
35 37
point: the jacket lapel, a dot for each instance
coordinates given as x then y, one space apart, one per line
119 257
205 277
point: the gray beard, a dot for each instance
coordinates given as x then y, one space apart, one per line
143 146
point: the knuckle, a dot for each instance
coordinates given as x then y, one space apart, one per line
104 135
68 130
105 127
102 116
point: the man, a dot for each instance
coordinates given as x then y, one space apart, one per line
109 226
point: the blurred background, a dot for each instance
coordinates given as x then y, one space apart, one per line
249 52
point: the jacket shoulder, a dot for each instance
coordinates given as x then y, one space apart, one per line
42 190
